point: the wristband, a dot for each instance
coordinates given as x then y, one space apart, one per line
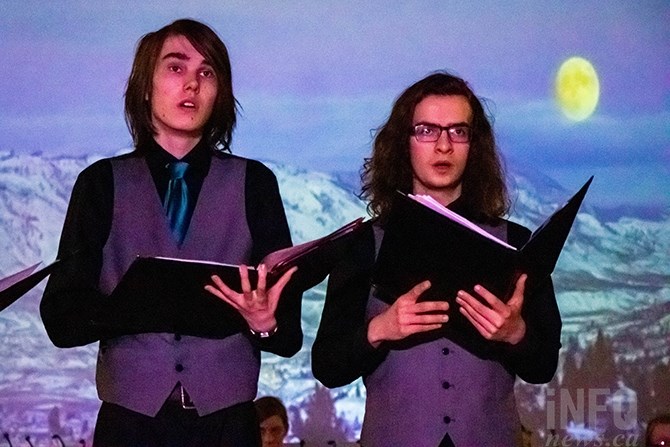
267 334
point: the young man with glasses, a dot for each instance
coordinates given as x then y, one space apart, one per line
425 386
179 194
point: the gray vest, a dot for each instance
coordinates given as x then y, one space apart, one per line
138 372
419 393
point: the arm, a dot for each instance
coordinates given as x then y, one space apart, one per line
270 232
72 298
349 344
535 358
341 352
527 328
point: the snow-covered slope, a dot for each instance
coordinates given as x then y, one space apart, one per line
614 275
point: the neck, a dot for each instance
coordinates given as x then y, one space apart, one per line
444 197
179 146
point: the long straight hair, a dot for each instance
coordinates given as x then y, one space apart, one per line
218 131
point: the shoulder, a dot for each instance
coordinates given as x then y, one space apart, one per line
100 172
254 168
257 169
96 172
361 254
105 164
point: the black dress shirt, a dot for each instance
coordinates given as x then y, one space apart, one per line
72 298
342 353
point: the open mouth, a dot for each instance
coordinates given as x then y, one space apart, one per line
187 104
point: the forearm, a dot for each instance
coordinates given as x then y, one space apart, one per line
269 230
72 299
286 341
340 357
342 351
69 316
535 358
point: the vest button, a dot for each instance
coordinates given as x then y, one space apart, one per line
446 419
445 351
179 367
446 385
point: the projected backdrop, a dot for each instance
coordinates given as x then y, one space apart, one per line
575 90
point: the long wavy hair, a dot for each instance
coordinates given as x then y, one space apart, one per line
218 131
483 191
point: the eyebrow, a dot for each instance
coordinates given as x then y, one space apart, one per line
183 57
176 55
428 123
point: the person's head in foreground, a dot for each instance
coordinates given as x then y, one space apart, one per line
273 420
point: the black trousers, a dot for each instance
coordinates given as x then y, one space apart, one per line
235 426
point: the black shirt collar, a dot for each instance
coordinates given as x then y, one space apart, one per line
158 159
198 158
458 206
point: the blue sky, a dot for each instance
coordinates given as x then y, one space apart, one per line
314 79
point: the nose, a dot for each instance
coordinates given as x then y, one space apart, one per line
443 143
192 83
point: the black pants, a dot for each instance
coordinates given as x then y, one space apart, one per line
235 426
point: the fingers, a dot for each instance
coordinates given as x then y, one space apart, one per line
284 279
480 328
426 313
519 290
490 298
477 309
483 325
423 319
501 321
415 292
262 277
255 305
486 319
244 279
406 317
222 286
430 306
222 292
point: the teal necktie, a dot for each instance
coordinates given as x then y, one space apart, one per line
176 203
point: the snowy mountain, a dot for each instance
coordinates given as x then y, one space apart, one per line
613 275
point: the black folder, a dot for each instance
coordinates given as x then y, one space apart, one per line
160 294
15 286
420 243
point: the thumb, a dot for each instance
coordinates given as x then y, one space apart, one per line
416 291
519 289
285 278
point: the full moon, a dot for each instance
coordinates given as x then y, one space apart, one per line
577 88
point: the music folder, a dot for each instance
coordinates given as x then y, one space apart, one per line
159 294
15 286
18 284
424 240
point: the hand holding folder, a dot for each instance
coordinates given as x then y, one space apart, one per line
159 294
424 240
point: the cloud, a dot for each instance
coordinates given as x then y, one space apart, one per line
601 140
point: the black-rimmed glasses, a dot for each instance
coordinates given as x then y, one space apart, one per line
430 133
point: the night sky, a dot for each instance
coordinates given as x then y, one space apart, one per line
313 80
